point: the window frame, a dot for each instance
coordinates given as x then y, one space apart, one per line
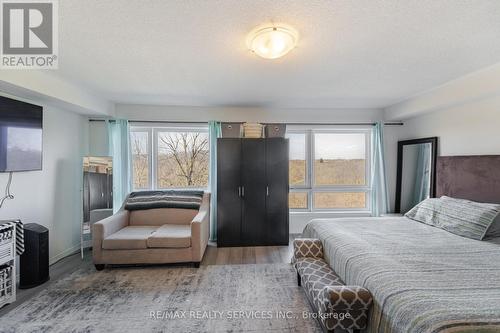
311 189
153 130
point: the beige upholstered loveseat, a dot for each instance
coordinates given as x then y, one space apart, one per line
152 236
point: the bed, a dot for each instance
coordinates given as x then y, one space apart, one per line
423 279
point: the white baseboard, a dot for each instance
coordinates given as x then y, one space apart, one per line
54 259
65 253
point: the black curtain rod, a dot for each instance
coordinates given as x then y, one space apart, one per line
347 124
156 121
286 123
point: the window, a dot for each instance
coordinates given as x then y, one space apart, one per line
182 159
139 146
328 200
339 159
167 156
298 200
329 169
298 163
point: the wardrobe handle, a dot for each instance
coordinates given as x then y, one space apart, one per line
243 191
239 191
267 190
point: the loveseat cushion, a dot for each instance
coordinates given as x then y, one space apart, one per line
160 216
128 238
171 236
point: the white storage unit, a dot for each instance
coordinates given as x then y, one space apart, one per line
7 263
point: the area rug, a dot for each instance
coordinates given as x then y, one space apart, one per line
214 298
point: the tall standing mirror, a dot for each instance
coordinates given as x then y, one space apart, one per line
416 179
97 194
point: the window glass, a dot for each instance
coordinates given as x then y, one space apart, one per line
339 163
182 159
339 159
339 200
297 155
139 145
297 200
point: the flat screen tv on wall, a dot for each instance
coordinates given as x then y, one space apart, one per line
20 136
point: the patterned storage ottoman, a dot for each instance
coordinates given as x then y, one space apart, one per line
338 306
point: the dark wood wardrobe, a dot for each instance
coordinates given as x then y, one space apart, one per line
252 192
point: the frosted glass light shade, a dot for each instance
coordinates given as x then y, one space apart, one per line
272 42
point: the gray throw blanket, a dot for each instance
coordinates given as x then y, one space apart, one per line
186 199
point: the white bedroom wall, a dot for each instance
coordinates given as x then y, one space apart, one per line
51 197
469 129
242 114
464 114
48 86
98 139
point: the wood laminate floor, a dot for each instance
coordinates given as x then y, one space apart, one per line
247 255
213 256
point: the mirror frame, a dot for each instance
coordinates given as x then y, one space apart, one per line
82 198
434 142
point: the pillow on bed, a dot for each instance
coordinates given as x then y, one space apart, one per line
461 217
494 229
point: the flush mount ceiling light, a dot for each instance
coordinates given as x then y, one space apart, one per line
272 41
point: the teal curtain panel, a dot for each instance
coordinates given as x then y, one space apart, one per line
119 150
379 195
215 131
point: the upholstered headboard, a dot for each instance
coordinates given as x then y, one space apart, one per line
475 178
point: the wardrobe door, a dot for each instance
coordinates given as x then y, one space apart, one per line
253 181
277 191
103 185
228 192
96 191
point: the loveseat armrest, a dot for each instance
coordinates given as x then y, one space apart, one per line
106 227
345 307
307 248
110 225
200 229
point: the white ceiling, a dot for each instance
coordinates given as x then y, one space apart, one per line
359 54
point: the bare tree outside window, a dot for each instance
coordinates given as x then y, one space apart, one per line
140 159
182 159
